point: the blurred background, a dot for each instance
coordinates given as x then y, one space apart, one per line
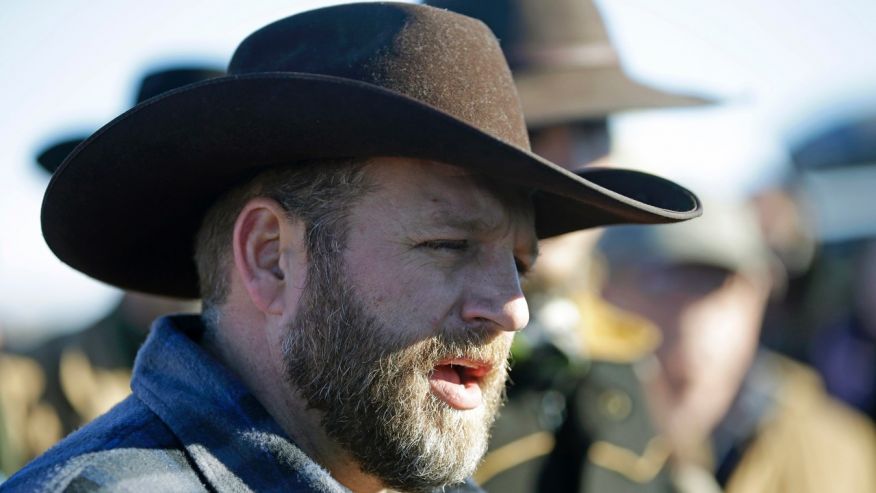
782 70
791 136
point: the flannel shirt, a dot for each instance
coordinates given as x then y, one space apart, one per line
190 425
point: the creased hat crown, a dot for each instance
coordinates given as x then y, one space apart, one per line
564 62
542 32
440 58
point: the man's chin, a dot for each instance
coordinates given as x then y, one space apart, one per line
444 445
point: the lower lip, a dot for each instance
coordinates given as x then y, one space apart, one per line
461 396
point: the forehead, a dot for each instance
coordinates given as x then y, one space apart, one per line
428 191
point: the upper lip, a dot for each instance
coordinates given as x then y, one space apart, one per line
474 368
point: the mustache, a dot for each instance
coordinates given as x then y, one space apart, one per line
488 347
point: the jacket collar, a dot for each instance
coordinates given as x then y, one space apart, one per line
233 441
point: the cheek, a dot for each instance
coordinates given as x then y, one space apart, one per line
403 294
720 340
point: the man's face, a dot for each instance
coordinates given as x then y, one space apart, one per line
710 319
401 340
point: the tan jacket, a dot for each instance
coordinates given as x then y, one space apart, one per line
808 443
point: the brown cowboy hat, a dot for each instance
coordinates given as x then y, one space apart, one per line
563 61
367 79
153 83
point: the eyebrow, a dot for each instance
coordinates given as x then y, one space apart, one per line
443 217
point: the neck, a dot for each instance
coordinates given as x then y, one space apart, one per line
257 359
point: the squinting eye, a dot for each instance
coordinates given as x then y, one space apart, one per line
458 245
522 268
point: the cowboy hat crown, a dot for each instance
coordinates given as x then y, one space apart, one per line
564 62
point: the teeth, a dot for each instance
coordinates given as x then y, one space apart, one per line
465 364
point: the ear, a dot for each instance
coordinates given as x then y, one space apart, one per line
262 233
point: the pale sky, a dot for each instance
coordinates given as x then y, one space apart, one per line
782 68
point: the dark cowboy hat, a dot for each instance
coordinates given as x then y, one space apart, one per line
153 83
369 79
563 61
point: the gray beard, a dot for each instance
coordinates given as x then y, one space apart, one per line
373 388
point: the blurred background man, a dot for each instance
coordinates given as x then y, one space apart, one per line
736 417
574 379
54 388
819 222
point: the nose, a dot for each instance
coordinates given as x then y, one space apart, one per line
494 298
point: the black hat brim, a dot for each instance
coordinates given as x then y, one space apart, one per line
125 205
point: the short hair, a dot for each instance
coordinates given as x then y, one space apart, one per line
320 193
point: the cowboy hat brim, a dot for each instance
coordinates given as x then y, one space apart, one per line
559 95
125 205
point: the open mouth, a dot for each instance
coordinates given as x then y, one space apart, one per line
457 382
